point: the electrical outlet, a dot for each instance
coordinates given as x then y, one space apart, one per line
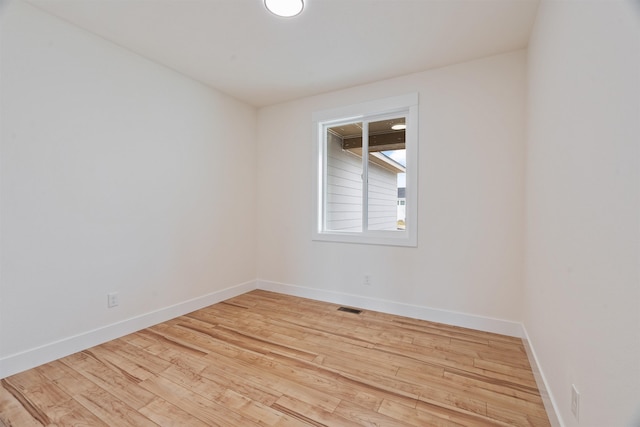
575 401
112 300
367 280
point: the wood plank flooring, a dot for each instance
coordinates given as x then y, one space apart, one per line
266 359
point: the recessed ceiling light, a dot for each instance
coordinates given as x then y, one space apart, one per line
285 8
399 126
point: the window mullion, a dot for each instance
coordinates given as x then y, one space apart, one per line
324 156
365 176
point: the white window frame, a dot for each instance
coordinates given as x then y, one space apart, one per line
406 105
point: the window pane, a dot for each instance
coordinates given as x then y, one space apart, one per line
387 172
343 189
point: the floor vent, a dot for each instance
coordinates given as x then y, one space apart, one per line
350 310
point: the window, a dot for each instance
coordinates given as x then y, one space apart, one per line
366 157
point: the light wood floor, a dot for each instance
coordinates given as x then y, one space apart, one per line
265 359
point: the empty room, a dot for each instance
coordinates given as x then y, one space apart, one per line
350 213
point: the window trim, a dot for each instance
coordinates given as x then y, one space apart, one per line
405 104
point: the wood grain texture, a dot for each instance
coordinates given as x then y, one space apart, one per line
266 359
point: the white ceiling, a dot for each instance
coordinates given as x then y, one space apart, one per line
241 49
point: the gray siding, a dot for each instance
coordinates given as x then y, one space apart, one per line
344 192
383 198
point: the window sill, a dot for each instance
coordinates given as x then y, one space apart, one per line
390 238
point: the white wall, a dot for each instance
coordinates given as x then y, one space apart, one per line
116 175
582 287
471 204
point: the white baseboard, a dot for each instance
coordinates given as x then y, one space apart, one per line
28 359
488 324
547 397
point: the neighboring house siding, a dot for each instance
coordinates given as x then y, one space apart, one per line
344 188
344 192
402 204
383 198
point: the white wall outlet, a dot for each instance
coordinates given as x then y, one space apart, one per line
113 300
575 401
367 280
